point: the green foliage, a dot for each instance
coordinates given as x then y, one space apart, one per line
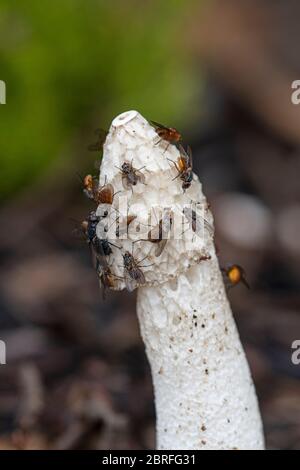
68 63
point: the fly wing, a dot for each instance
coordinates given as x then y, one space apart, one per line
94 189
97 164
155 234
106 194
94 256
102 286
99 259
187 211
226 280
198 226
123 226
244 279
194 220
245 282
98 145
166 223
209 227
130 218
158 125
89 194
130 283
183 153
160 247
139 276
125 182
101 281
140 176
190 156
78 231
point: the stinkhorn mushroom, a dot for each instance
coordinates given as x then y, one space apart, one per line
204 394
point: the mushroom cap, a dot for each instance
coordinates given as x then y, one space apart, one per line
156 192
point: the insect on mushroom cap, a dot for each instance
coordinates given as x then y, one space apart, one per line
132 139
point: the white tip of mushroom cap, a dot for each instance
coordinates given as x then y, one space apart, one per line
123 118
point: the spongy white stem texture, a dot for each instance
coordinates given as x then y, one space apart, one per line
204 394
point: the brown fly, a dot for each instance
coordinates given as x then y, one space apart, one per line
184 166
234 275
133 274
169 134
98 145
131 176
103 195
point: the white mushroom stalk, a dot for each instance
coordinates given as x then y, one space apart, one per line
204 394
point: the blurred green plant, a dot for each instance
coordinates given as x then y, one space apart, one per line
71 65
